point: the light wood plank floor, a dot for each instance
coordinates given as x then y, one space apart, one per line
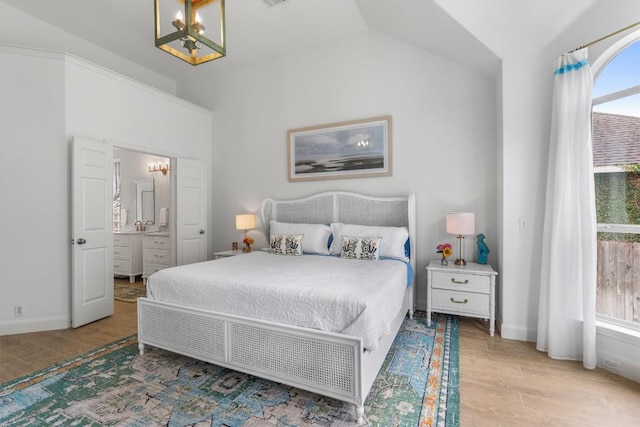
510 383
502 382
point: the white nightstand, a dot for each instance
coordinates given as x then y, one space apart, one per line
225 254
468 290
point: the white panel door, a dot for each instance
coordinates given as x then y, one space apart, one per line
191 212
92 228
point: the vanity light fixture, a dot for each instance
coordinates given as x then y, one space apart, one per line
185 37
462 224
159 167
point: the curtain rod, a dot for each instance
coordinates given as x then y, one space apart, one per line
607 36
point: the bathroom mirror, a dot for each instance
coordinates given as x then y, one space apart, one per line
145 200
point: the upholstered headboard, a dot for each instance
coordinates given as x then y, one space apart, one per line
347 208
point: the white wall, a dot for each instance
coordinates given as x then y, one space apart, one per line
444 133
46 100
22 30
34 182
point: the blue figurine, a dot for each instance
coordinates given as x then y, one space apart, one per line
483 250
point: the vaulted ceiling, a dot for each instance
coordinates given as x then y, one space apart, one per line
256 32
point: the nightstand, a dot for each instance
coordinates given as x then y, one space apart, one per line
468 290
225 254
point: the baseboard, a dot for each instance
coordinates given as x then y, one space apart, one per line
512 332
618 351
24 326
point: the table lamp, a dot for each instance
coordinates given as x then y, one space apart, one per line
462 224
245 222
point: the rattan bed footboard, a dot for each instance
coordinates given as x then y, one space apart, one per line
326 363
287 354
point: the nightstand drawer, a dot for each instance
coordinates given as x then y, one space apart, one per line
464 302
461 282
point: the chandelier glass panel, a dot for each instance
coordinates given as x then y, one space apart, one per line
192 30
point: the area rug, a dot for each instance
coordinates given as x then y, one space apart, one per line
114 386
128 293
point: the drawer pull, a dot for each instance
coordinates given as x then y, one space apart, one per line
461 283
459 302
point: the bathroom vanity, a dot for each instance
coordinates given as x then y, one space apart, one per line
127 254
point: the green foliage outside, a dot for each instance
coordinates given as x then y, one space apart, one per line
618 201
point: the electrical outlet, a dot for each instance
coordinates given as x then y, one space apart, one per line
17 310
522 224
612 365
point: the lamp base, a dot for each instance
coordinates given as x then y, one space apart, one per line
460 261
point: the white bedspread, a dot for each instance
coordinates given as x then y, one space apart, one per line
352 297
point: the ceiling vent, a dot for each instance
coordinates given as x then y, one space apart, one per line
271 3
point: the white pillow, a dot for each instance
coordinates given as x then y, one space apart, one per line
391 245
360 247
316 236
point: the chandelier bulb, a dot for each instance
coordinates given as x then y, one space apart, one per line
178 23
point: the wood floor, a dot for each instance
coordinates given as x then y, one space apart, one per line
502 382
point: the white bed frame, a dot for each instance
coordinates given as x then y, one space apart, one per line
326 363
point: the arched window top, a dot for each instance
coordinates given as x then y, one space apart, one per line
617 84
621 72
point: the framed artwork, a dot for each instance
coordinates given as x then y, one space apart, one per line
355 149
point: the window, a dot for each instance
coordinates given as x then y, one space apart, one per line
616 159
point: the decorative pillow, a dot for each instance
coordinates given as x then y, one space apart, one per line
316 236
360 247
288 244
391 246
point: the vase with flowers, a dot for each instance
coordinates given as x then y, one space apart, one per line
446 251
248 241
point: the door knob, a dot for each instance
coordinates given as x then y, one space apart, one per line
201 231
81 241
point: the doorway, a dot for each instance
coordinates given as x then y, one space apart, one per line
142 193
184 225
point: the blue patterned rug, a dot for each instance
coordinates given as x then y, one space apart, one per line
114 386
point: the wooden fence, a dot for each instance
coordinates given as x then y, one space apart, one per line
618 291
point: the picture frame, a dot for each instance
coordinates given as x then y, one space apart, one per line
352 149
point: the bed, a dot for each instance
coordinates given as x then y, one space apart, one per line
335 353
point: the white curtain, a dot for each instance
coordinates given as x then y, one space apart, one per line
566 315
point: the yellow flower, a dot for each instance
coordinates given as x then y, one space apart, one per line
445 249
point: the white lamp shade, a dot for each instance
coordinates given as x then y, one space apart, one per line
461 223
245 222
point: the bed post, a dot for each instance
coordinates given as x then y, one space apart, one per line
141 348
360 414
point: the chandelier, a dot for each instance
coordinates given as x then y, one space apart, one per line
185 20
